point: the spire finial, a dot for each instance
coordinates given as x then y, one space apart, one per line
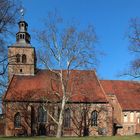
22 13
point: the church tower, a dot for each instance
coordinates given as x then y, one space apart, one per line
21 55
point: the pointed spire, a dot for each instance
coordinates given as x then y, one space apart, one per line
22 37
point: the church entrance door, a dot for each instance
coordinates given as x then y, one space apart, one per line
42 129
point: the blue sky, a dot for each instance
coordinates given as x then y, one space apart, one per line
109 17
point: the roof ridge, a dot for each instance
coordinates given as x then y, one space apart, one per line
121 81
66 70
100 86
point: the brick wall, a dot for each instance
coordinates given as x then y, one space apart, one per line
131 122
2 125
104 126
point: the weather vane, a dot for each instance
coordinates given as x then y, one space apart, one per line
22 13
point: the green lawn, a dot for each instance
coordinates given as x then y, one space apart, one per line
73 138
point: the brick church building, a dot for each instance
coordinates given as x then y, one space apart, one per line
99 107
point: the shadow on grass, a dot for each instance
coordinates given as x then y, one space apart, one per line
72 138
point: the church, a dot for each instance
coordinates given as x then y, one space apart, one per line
99 107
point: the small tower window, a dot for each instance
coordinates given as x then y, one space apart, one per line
20 70
17 37
20 36
24 59
23 36
18 58
17 120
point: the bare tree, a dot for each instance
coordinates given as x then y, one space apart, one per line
8 15
134 47
66 48
81 118
83 121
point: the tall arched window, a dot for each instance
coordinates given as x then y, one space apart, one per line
24 59
42 114
18 58
58 113
94 117
67 118
17 120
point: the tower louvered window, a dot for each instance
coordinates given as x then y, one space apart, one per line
24 58
18 58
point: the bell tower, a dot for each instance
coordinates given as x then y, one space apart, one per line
21 55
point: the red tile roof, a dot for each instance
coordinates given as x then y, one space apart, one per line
127 93
84 85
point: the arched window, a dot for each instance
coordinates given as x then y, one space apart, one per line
67 118
58 113
24 59
17 37
42 114
94 117
18 58
131 116
20 36
17 120
138 120
23 36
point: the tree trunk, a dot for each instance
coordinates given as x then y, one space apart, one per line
59 131
59 128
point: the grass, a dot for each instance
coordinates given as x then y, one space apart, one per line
73 138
